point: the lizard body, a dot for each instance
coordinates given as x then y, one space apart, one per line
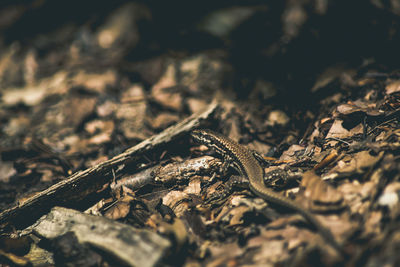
245 162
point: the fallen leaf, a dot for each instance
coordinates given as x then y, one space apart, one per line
357 163
290 153
323 197
119 210
393 87
163 120
162 93
338 131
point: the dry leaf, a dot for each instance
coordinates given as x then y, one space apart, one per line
356 163
338 131
393 87
162 92
323 196
177 201
119 210
163 120
290 153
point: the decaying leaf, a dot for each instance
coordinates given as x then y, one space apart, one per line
322 196
357 163
338 131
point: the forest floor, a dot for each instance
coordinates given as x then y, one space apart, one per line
97 163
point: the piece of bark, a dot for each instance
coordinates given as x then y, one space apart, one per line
134 247
79 185
170 173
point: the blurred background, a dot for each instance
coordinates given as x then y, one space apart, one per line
280 44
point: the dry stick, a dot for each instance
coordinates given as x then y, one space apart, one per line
80 184
170 173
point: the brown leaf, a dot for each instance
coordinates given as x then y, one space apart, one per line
105 129
237 215
323 196
177 201
162 91
119 210
260 147
338 131
359 106
290 153
132 113
72 111
196 104
393 87
163 120
357 163
34 94
96 82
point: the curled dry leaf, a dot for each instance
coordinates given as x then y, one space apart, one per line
355 195
202 73
194 186
34 94
323 196
177 201
104 130
260 147
69 113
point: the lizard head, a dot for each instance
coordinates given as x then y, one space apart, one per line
202 137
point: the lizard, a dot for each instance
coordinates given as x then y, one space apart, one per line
248 165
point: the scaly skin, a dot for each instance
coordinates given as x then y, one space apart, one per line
243 160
